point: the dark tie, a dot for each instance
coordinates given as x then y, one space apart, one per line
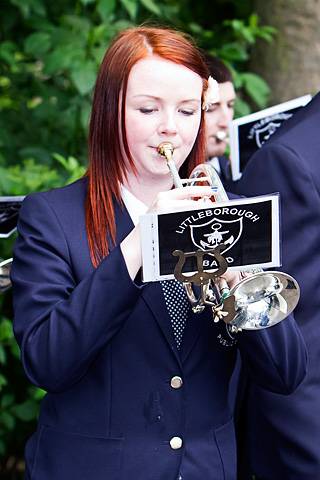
178 307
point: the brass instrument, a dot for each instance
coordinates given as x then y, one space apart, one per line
258 301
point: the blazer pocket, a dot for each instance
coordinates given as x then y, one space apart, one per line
226 443
65 456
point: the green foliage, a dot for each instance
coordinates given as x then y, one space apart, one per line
19 402
49 56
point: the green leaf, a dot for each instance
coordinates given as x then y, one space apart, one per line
15 350
131 6
267 33
151 6
77 23
34 102
84 77
6 331
233 52
5 82
85 115
254 20
3 356
7 420
37 393
7 52
38 43
27 7
195 28
86 2
57 61
26 411
248 36
60 159
256 88
7 400
241 108
3 381
105 8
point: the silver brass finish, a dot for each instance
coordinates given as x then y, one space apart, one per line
256 302
263 300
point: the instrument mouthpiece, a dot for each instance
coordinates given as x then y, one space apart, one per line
221 135
166 149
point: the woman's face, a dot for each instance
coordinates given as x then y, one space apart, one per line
163 103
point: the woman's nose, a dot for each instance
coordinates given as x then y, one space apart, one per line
168 125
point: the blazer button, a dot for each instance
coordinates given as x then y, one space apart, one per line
176 382
176 443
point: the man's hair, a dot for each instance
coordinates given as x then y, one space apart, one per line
218 70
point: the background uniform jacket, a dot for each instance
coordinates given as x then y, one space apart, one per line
284 432
103 348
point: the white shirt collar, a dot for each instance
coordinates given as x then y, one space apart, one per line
214 161
135 207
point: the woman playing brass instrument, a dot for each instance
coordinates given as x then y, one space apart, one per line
135 390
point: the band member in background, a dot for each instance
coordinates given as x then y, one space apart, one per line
218 117
283 433
137 383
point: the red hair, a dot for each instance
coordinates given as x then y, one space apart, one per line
106 163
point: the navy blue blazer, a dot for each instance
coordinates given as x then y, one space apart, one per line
284 432
103 348
225 174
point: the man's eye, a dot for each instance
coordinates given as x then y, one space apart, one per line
213 107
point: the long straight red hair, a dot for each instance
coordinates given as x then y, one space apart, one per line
107 167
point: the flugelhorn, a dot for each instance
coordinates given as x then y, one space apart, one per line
258 301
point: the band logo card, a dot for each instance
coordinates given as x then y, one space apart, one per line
248 229
9 212
249 133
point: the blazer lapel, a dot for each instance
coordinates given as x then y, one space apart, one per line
124 224
153 296
151 292
191 332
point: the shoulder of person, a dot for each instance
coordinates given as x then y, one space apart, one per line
66 196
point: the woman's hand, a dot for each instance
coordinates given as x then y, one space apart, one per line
231 278
180 199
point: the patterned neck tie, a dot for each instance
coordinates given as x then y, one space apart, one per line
178 307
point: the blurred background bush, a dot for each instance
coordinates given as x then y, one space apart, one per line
49 55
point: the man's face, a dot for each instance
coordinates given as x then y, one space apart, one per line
217 119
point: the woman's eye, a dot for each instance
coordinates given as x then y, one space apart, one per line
147 110
188 112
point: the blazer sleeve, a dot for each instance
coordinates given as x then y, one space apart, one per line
276 357
279 168
60 325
